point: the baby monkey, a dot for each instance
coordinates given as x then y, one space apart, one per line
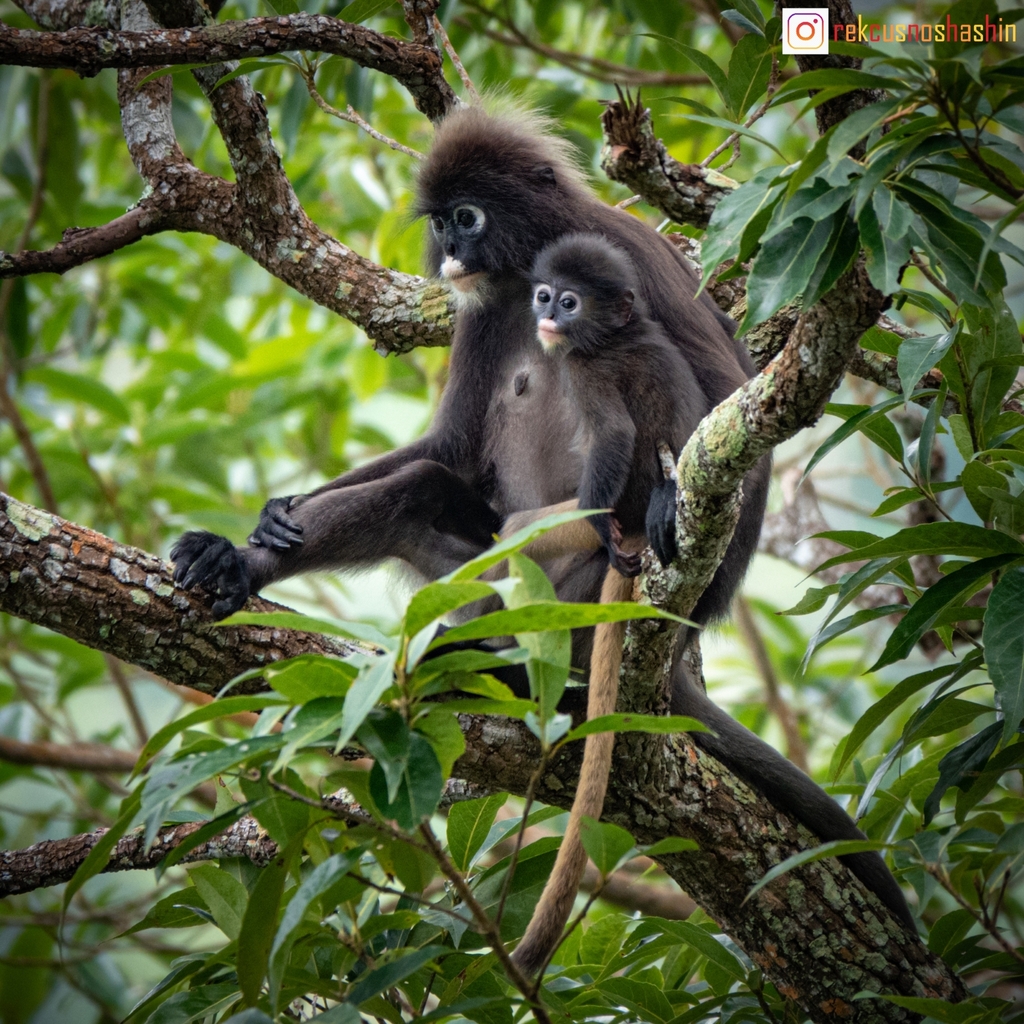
635 391
633 387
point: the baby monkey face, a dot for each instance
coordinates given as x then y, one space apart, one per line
557 310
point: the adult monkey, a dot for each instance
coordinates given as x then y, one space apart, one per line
496 190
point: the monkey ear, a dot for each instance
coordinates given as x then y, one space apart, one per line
626 306
545 174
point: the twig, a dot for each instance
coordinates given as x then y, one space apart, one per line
487 927
456 62
981 916
353 117
627 203
734 139
932 279
796 750
591 67
8 407
531 791
117 673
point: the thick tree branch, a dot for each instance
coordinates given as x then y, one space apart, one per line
124 602
58 15
56 860
88 50
636 157
817 932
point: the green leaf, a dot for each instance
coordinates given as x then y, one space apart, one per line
962 765
927 439
440 725
438 599
78 388
1003 637
836 848
743 21
853 128
217 709
419 788
364 693
224 895
885 256
250 67
606 844
701 108
814 202
310 676
212 828
260 922
468 826
550 652
636 723
975 476
862 420
993 334
545 615
312 723
881 710
182 909
381 978
783 268
707 945
961 539
716 75
319 880
197 1003
732 127
387 740
840 251
995 234
831 78
500 551
749 206
926 610
646 1001
917 356
814 600
308 624
361 10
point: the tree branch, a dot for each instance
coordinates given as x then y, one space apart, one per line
74 757
87 50
122 601
633 155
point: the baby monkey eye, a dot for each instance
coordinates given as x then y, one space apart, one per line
569 302
437 224
541 296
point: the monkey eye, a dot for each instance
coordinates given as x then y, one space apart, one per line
541 297
469 218
437 224
569 302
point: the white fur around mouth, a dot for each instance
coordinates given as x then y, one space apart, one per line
457 275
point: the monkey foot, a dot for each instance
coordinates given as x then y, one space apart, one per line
203 559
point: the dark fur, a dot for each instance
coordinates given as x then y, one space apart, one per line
505 426
633 387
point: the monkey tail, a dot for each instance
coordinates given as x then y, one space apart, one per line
549 919
785 786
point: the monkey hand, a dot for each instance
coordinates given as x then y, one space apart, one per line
276 530
626 563
203 559
661 521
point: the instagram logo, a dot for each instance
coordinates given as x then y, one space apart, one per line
805 30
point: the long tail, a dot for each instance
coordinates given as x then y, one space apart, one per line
788 788
549 919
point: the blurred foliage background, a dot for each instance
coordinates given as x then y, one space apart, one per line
176 384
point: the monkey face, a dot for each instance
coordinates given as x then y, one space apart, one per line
557 310
459 234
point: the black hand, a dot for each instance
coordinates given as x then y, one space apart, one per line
661 521
276 529
203 559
